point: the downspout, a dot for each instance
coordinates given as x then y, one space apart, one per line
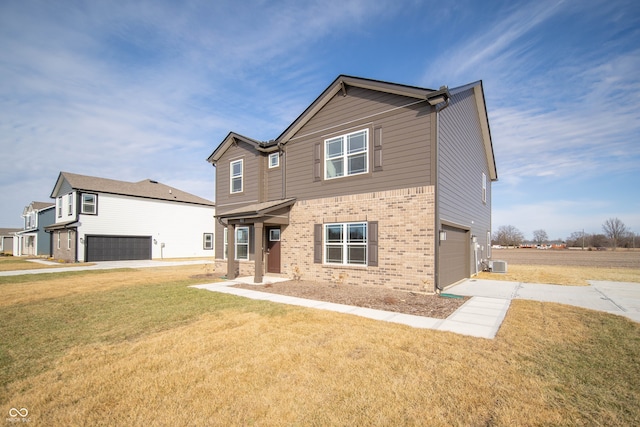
438 226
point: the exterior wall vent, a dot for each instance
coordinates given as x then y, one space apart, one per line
499 266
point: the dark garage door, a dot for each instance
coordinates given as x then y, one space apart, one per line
454 256
118 248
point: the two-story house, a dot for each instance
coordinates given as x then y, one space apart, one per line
375 183
99 219
33 239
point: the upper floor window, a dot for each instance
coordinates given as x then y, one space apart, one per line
59 206
274 160
484 187
236 175
70 204
345 243
347 154
89 203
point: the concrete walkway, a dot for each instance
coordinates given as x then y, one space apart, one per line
481 316
611 297
478 317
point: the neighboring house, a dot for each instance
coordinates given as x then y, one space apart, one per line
7 236
33 239
100 219
374 183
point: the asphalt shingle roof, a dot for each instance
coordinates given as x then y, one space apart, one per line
147 188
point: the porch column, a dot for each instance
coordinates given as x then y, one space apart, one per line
231 251
259 232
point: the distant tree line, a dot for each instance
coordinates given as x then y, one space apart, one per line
615 235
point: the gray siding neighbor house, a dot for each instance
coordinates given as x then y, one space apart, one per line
376 183
33 239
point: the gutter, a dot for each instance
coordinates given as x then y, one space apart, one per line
436 99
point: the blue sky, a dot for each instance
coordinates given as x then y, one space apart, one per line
147 89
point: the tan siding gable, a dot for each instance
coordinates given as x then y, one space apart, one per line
404 128
251 182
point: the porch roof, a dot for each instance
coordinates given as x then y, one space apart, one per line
61 225
257 210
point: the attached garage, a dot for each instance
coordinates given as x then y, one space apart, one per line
117 248
454 256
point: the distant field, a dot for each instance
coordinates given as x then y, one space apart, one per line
621 258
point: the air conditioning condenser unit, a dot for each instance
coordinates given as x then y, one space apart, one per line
499 266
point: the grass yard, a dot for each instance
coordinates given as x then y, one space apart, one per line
566 267
139 347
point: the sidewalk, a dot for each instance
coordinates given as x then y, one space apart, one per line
611 297
102 265
479 317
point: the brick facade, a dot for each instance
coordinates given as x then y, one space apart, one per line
405 238
67 250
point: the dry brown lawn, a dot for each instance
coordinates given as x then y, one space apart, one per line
139 347
566 267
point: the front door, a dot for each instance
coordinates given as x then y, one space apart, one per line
273 250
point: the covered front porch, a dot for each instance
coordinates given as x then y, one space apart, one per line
253 233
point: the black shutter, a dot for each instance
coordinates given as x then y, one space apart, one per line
372 229
317 169
317 243
377 149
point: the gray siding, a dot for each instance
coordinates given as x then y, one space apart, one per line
404 127
462 162
253 186
273 180
225 201
45 218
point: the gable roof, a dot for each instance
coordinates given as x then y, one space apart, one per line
38 206
148 189
234 138
341 84
478 92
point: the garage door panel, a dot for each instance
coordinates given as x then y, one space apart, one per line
118 248
454 256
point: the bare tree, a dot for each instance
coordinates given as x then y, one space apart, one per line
614 229
508 235
540 236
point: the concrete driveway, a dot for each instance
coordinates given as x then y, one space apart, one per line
611 297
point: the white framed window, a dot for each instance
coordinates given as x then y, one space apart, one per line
69 239
274 160
58 233
207 241
89 204
274 235
242 243
59 206
241 250
70 204
484 188
345 243
236 172
346 155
